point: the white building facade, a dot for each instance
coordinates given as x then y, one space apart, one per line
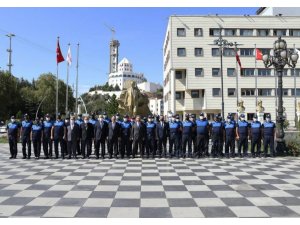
149 86
156 106
192 81
125 72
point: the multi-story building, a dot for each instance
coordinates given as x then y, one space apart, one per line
192 81
156 106
149 86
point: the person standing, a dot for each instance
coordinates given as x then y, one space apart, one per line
13 132
58 135
47 141
242 133
187 130
125 137
138 137
202 131
101 131
162 135
268 136
174 139
72 137
93 122
194 134
255 134
114 132
79 121
217 137
151 137
229 138
26 133
87 134
36 137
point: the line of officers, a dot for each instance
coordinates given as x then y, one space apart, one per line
147 137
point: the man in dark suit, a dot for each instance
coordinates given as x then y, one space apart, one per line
162 134
87 134
101 131
72 137
114 132
138 134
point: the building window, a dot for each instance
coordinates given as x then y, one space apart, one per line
229 32
265 51
215 52
264 72
263 32
199 72
246 51
178 95
247 72
295 72
279 32
198 51
297 92
195 93
247 91
214 31
295 33
198 32
265 92
231 92
180 32
216 72
178 74
285 92
181 52
231 72
216 92
246 32
284 72
229 52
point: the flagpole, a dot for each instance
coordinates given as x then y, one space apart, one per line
67 89
77 65
56 102
295 94
255 74
237 82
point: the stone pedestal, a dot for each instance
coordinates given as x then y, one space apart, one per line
298 116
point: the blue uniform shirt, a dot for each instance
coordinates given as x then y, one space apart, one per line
47 128
37 131
243 128
202 127
217 127
256 128
187 127
26 128
174 128
59 129
93 122
79 122
269 128
150 129
126 126
229 129
107 120
12 129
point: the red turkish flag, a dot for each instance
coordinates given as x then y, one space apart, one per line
258 54
238 60
59 55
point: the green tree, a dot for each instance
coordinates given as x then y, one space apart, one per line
112 106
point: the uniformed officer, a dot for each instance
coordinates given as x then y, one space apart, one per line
187 129
268 135
174 137
26 132
151 137
194 134
58 135
36 137
230 133
202 131
255 134
119 121
93 121
67 123
101 132
107 120
47 141
217 137
13 132
79 121
242 133
163 133
125 137
177 119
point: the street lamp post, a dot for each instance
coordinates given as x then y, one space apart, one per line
280 57
222 43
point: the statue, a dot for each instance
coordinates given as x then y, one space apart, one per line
132 101
241 108
298 107
259 107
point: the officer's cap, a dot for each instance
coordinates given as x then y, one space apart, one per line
25 115
118 114
104 113
192 116
228 117
173 115
47 115
255 116
216 116
177 116
68 117
12 117
242 115
80 115
126 116
268 116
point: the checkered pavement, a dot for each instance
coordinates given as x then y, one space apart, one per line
149 187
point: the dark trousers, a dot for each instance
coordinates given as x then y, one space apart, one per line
230 143
86 147
174 141
269 142
201 144
125 146
113 147
59 141
186 140
150 146
47 146
138 144
162 146
194 143
13 146
216 149
72 147
37 147
78 147
26 141
97 151
65 146
243 143
256 141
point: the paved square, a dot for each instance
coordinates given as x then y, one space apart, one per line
147 188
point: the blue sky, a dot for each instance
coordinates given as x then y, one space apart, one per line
140 32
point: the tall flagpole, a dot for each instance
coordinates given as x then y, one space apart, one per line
237 82
77 65
56 102
295 95
255 74
67 89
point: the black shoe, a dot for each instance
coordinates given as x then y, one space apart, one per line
46 157
11 157
103 157
28 157
24 157
110 157
56 157
14 156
